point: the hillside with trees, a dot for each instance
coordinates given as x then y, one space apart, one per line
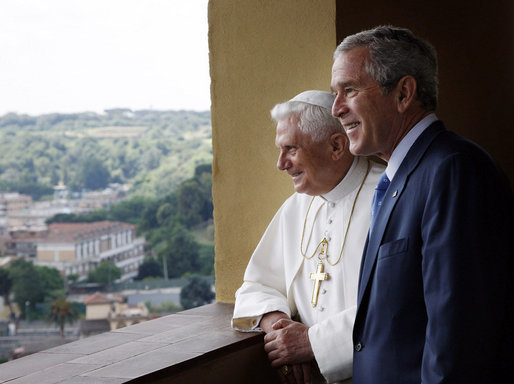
153 151
179 233
166 158
178 227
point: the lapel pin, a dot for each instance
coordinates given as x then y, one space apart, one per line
395 193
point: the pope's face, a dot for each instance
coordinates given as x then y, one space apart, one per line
367 114
303 159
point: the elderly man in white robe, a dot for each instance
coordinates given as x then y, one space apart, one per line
300 286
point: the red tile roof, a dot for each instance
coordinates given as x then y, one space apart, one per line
99 298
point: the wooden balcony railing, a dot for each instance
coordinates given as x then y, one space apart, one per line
193 346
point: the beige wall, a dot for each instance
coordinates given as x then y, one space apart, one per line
55 254
98 311
261 53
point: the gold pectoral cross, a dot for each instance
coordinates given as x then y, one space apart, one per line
318 277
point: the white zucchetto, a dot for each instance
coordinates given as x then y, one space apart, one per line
320 98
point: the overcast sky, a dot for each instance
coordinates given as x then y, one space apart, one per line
89 55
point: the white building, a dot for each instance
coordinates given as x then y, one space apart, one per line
78 248
11 204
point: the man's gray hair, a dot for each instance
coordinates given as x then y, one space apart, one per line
314 120
395 53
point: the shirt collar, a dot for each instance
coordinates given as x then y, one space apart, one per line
350 182
403 147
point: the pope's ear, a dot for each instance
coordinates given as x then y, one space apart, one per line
339 143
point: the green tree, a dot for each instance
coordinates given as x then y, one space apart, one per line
195 293
27 285
206 259
92 174
191 201
5 287
181 252
151 158
129 211
36 191
149 215
149 268
72 278
28 172
206 185
52 283
165 213
203 169
61 312
54 177
90 217
106 273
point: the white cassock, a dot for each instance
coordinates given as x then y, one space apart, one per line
277 277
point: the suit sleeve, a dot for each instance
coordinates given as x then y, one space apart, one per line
465 268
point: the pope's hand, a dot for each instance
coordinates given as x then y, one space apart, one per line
288 343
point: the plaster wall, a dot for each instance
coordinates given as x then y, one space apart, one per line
261 53
57 254
98 311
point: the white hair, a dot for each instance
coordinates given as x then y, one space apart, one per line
314 120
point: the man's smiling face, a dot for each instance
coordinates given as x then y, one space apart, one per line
366 112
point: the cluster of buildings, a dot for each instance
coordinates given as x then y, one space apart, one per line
107 312
18 211
72 248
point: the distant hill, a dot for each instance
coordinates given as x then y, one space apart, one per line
154 151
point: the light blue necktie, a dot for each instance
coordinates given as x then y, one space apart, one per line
380 191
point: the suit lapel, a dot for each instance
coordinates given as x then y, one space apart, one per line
392 195
375 238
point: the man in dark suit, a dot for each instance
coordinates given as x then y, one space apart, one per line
435 298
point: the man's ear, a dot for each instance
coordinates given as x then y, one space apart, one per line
339 144
405 93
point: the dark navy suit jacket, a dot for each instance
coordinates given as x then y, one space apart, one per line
435 301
